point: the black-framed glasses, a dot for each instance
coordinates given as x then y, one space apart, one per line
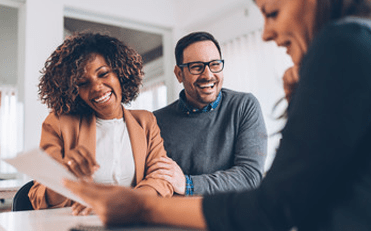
197 68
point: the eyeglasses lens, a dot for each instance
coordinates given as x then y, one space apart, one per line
197 68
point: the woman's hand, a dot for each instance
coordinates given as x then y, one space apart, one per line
79 209
114 205
290 79
80 162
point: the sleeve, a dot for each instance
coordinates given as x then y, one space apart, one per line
155 149
52 143
327 119
250 152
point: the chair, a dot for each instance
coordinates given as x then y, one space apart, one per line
21 201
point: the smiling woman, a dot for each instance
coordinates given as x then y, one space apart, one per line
85 82
100 88
290 24
65 70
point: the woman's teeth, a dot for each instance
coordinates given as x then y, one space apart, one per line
104 98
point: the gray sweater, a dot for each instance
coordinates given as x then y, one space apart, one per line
223 149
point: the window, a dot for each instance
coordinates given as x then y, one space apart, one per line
11 125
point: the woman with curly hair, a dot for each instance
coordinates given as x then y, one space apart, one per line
85 83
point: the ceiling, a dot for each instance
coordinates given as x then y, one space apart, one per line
148 45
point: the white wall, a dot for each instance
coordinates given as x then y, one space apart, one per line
8 45
224 19
149 12
43 28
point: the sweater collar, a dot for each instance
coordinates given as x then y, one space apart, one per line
187 108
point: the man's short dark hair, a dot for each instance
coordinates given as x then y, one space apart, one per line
191 38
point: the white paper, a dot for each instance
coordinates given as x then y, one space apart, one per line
41 167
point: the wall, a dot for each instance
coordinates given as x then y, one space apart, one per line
224 19
8 45
157 13
43 29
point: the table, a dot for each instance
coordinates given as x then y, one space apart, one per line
61 220
48 219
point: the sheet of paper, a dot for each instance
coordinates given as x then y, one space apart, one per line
41 167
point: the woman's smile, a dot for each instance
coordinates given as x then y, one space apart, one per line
104 98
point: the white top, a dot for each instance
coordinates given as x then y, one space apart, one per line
114 153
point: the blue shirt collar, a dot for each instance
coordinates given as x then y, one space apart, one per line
187 108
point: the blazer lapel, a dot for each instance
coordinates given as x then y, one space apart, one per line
138 144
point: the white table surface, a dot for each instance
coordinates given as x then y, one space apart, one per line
49 219
58 220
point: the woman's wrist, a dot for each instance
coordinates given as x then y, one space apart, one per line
177 211
148 205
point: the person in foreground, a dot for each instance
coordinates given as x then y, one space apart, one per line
320 179
85 83
215 137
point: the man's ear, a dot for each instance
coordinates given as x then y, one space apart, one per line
178 73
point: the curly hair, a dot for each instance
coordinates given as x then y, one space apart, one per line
58 87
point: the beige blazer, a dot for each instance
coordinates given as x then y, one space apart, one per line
65 132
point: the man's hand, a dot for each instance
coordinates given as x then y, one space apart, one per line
167 169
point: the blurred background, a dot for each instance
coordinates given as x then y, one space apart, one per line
31 29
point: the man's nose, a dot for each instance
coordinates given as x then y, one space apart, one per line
207 72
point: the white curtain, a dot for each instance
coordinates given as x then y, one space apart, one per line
11 125
252 65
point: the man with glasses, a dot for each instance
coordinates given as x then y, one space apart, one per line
216 138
